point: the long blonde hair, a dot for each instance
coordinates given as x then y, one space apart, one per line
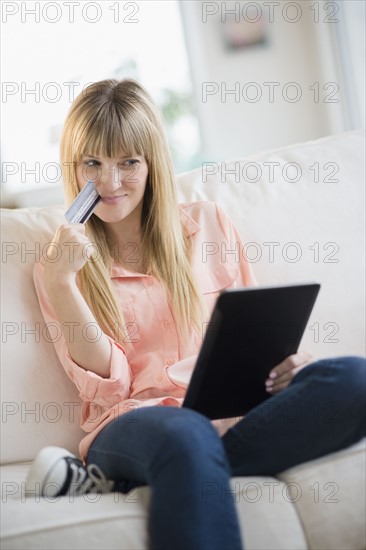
107 117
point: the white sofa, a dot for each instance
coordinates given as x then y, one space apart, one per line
315 225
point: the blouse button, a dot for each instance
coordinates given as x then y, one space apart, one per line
166 324
170 362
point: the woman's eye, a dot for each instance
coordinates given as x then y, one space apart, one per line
130 162
92 163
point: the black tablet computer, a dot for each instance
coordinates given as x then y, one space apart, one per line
251 330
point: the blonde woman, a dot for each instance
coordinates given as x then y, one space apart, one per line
131 293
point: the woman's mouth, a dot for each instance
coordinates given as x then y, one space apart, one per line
113 200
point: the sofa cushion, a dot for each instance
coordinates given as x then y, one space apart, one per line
318 505
329 494
92 521
119 521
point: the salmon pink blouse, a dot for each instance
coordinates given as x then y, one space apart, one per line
148 369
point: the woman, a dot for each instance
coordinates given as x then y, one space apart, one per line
131 292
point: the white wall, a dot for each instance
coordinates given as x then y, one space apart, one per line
351 48
326 45
299 52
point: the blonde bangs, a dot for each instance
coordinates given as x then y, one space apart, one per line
112 130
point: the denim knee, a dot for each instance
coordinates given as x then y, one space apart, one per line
341 378
349 370
192 436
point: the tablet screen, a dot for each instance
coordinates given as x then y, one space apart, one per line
251 330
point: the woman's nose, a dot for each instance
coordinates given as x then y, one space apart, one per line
109 180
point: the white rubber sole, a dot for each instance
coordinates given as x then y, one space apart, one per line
48 471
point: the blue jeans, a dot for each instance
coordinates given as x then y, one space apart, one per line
180 455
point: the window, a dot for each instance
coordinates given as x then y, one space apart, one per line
52 50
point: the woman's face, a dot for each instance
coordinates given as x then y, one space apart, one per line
120 182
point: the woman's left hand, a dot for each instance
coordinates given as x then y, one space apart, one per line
281 375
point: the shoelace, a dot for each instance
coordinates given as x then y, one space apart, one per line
89 480
100 482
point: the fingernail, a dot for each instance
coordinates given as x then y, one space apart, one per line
273 374
269 382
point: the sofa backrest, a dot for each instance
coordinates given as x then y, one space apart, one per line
300 212
39 402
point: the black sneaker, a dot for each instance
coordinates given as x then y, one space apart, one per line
57 472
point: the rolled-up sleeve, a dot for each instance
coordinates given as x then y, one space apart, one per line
92 387
234 239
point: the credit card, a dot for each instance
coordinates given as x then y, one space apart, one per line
84 205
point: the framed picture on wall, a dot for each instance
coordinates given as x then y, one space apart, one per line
240 32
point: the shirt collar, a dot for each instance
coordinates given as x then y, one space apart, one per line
190 227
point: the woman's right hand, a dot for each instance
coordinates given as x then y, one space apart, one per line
67 253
